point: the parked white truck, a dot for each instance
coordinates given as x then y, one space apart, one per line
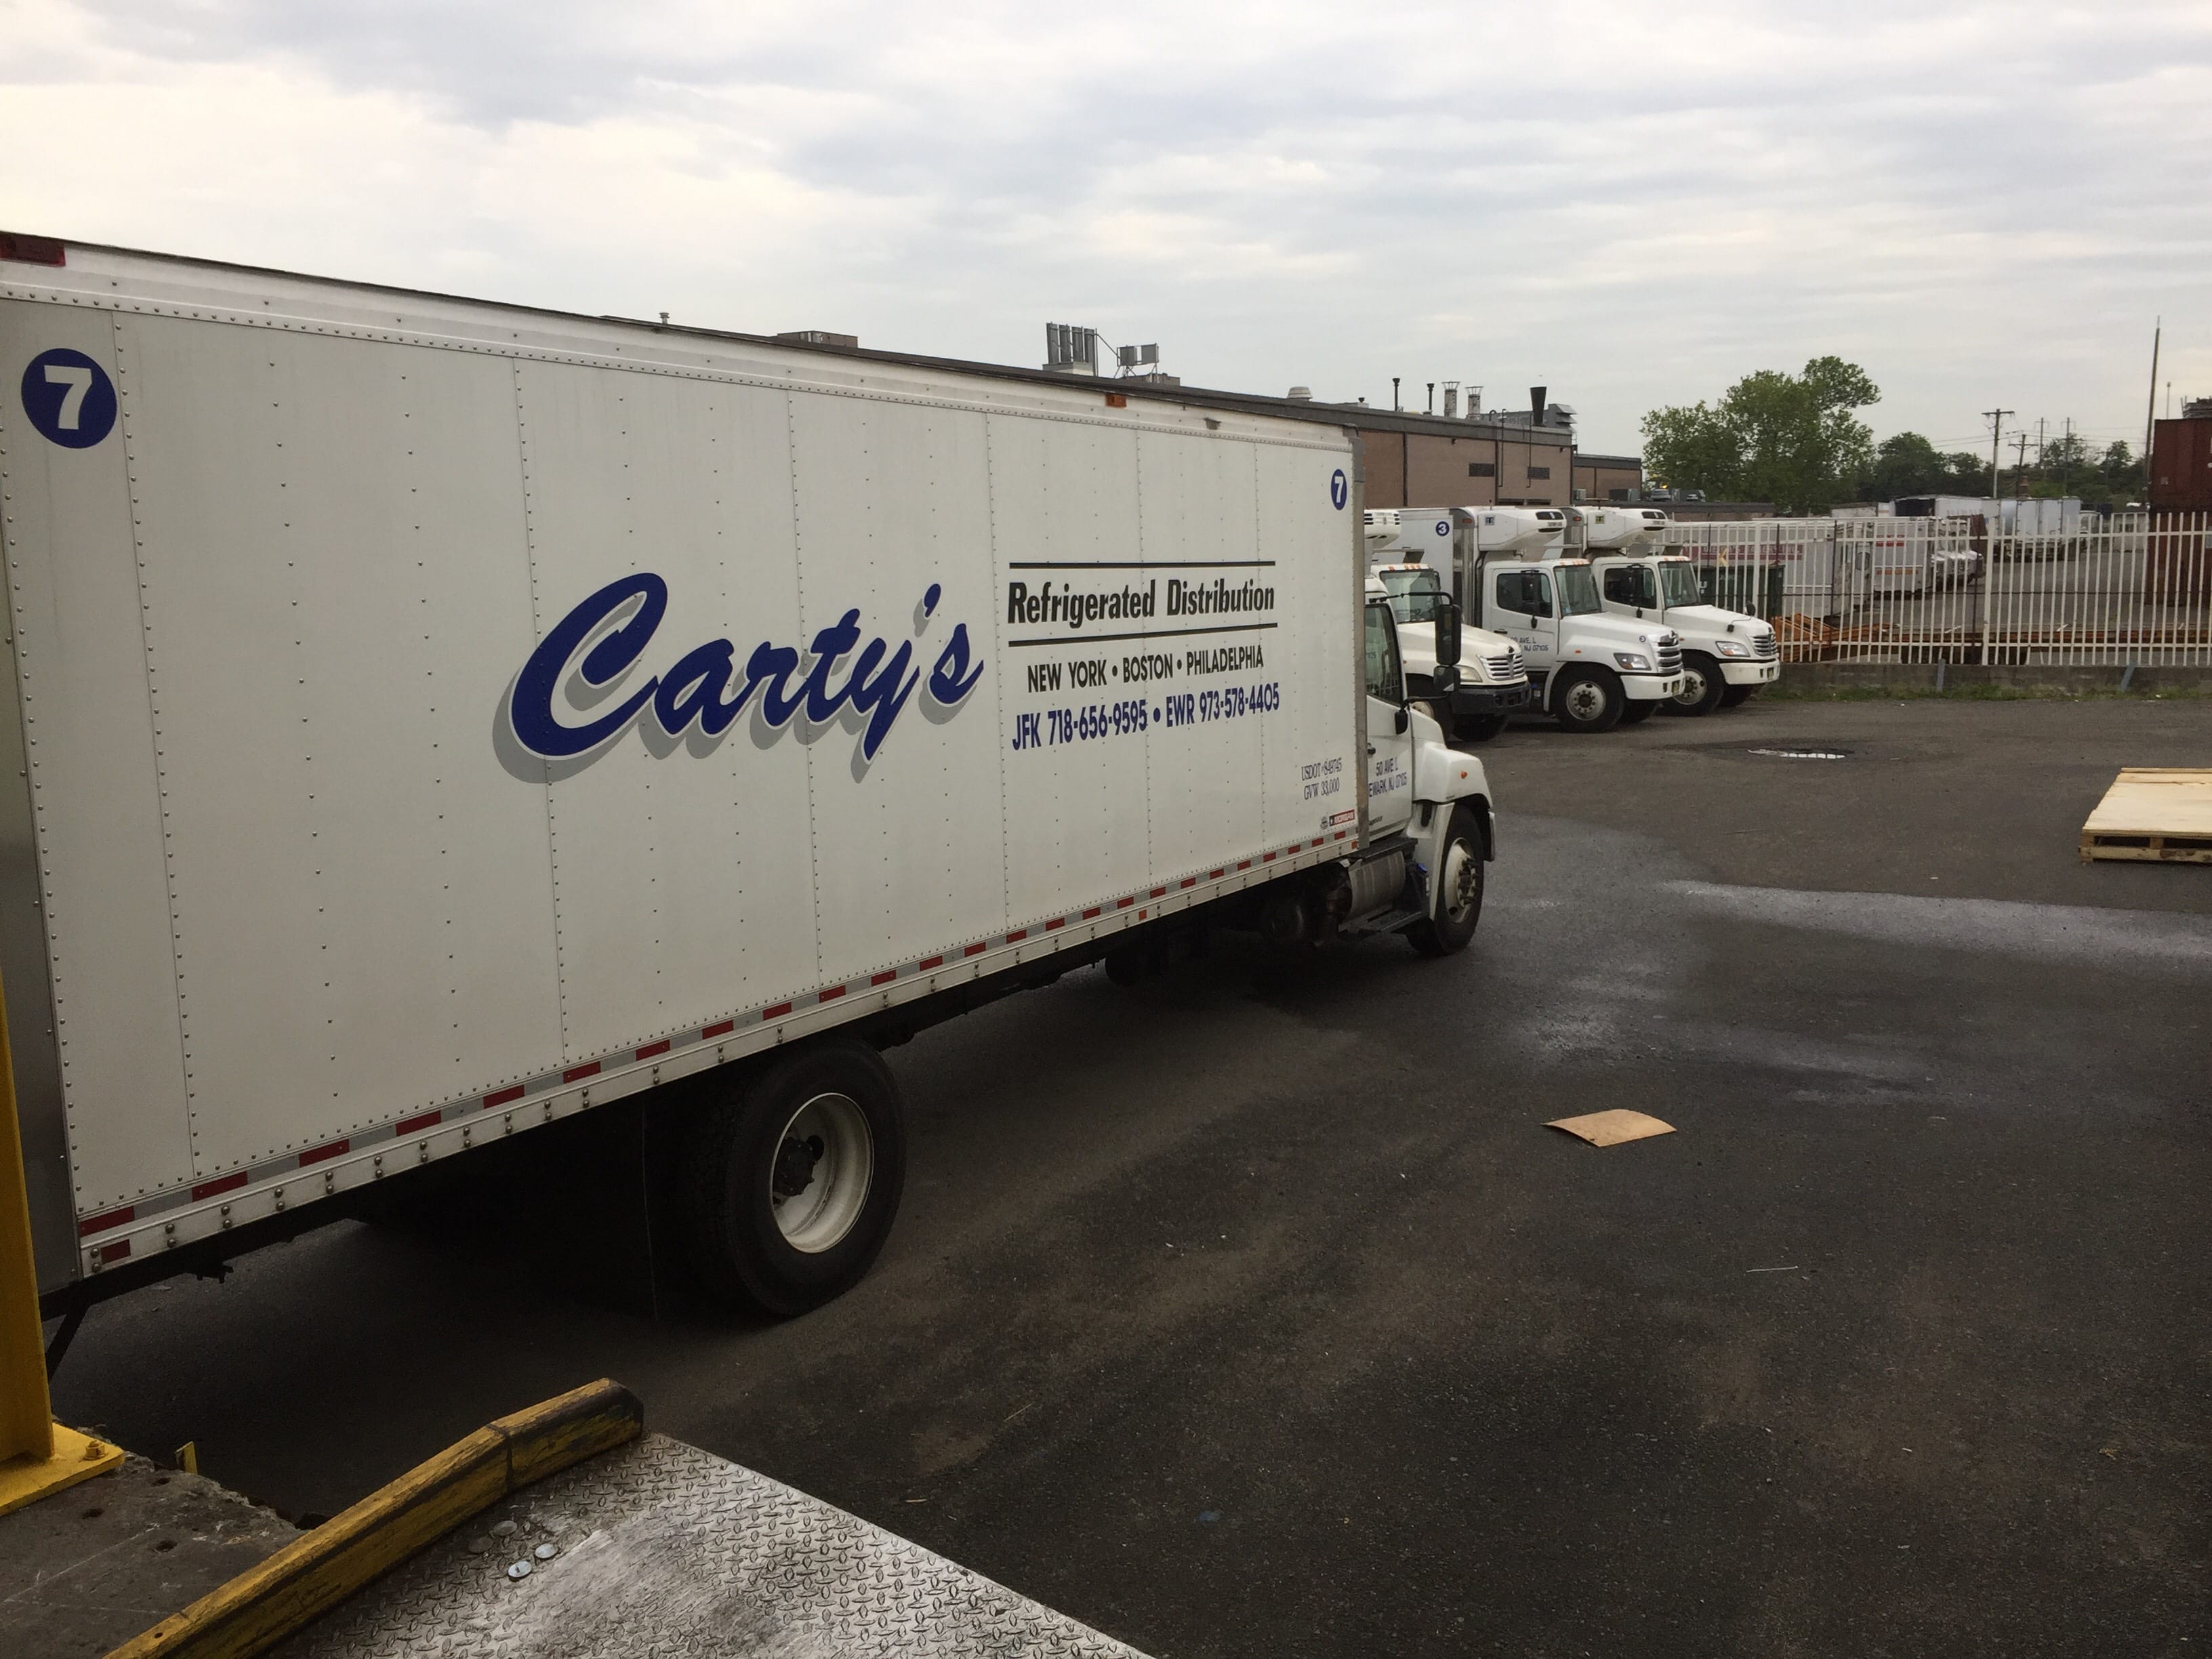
434 720
1589 670
1726 655
1491 686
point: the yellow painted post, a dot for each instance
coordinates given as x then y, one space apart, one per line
37 1455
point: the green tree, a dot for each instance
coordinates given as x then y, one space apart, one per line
1908 465
1793 440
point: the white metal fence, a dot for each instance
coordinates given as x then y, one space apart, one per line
2134 587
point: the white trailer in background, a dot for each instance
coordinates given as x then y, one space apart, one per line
436 719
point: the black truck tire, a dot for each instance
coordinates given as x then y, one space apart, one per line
1702 686
768 1225
1587 700
1737 695
1459 878
1637 710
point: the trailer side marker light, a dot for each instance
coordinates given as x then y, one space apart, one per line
652 1048
1217 875
1264 857
928 963
499 1098
1123 904
1244 864
32 250
720 1028
1018 935
408 1125
1092 912
101 1222
220 1185
829 995
1114 399
578 1074
319 1154
1190 881
973 951
1057 922
1159 892
884 978
776 1012
114 1252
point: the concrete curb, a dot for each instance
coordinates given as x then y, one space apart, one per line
258 1608
1823 679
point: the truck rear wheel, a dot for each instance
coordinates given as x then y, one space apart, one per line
791 1182
1702 686
1459 891
1587 700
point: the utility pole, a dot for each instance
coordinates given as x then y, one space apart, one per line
2150 412
2020 467
1996 418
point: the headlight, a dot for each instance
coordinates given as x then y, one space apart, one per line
1634 662
1730 648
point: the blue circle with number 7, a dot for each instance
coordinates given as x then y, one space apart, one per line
69 397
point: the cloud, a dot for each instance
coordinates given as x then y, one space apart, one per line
1633 204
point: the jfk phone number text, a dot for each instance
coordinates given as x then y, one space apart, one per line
1047 727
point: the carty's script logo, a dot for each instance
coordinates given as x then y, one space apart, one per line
704 690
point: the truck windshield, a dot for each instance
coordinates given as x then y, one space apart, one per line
1413 594
1678 583
1578 591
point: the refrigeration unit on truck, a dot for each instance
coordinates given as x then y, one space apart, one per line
1510 567
1726 655
434 720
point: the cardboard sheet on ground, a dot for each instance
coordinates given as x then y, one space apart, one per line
1611 1128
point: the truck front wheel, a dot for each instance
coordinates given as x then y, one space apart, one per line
1587 700
1734 697
1459 891
1702 686
791 1183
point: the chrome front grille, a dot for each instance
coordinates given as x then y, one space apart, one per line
1764 648
1505 665
1670 654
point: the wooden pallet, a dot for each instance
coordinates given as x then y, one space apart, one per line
2153 813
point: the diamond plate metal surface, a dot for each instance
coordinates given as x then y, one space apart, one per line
663 1549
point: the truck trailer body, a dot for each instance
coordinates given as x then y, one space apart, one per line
433 719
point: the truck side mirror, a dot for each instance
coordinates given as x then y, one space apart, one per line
1447 633
1405 719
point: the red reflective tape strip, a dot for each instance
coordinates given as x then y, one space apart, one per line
1059 921
500 1098
652 1048
720 1028
1018 935
1316 841
408 1125
102 1222
1339 835
1217 875
1190 881
1264 857
928 963
1092 912
114 1252
1159 892
578 1074
776 1012
829 995
317 1155
1244 864
229 1184
884 978
1123 904
973 951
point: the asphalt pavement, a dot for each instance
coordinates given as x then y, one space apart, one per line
1255 1311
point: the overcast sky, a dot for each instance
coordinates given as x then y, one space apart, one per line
1633 204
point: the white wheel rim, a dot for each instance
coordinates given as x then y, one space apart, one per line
1585 701
1462 877
818 1179
1693 687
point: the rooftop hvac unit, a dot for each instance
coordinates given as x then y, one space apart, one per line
1136 356
1071 350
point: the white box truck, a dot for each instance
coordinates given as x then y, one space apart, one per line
1726 655
1517 576
433 719
1414 575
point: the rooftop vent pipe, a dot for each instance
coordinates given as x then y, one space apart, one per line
1536 396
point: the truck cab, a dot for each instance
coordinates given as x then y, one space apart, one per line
1591 671
1726 655
1493 683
